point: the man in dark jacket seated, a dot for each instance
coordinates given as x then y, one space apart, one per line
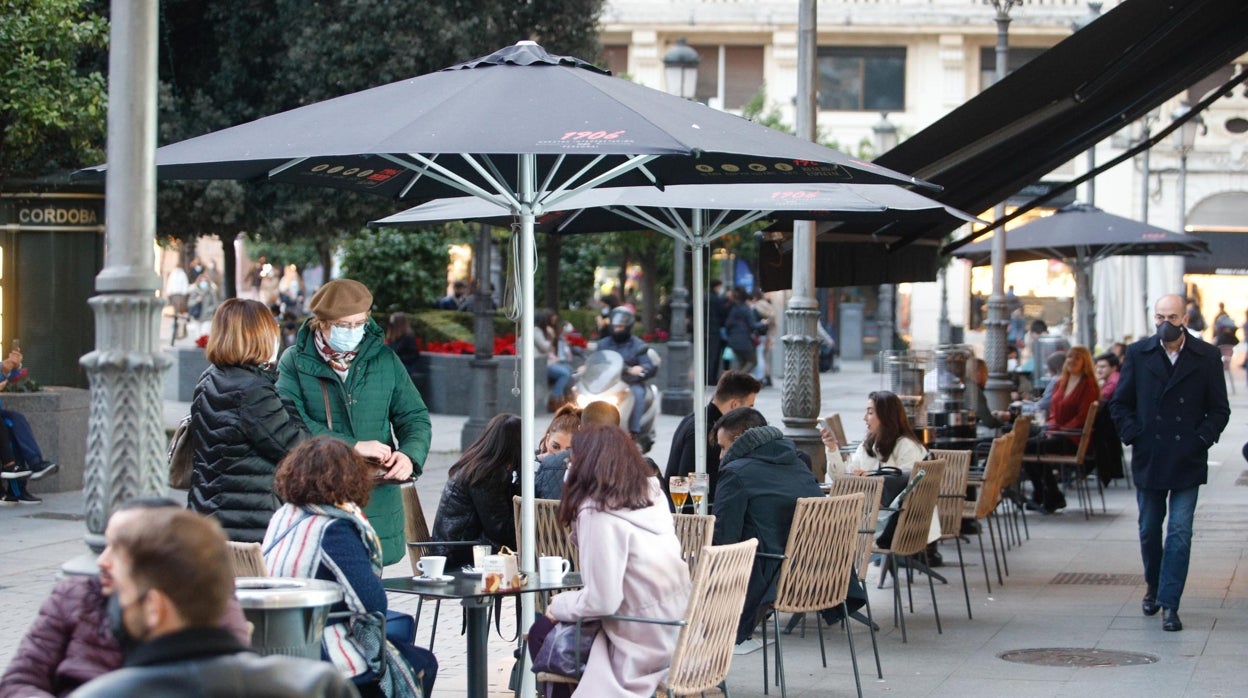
70 643
173 579
735 389
760 480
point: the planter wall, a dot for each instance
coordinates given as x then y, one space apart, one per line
188 364
446 384
58 417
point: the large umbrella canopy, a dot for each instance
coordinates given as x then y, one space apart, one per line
522 128
1081 235
695 216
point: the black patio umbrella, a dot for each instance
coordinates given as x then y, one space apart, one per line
522 128
695 215
1081 235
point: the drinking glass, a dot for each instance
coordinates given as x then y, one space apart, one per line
679 488
699 488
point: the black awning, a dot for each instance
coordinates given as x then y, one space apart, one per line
1228 254
1072 96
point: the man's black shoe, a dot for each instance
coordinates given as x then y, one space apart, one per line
42 469
1170 621
1149 605
13 471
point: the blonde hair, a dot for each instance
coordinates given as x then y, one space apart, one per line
244 333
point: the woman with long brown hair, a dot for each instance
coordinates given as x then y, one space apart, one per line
240 426
890 442
630 564
1074 393
476 501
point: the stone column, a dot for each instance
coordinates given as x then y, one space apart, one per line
678 398
125 434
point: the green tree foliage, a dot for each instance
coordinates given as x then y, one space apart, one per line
52 95
228 63
405 269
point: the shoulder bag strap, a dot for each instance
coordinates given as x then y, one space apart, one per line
329 415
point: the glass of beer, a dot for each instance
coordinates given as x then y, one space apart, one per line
679 488
698 489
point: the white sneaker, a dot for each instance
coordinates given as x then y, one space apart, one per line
747 647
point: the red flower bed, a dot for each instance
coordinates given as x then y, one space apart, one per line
503 346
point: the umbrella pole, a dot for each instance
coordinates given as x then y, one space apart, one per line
699 350
528 176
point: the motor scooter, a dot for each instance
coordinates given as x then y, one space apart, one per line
601 378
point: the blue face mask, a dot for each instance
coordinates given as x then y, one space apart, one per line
341 339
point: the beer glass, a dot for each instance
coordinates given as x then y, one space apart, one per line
679 488
698 489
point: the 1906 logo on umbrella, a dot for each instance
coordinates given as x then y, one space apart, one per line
592 135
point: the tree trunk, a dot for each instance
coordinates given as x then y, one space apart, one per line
326 254
554 246
648 259
229 267
621 284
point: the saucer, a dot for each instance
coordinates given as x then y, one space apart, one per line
433 580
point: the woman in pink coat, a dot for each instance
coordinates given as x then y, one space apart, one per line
630 565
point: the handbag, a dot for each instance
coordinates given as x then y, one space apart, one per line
179 456
563 652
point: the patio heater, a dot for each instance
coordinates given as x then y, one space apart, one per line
1184 139
903 373
680 73
950 413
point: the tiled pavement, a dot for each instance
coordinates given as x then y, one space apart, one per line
1028 611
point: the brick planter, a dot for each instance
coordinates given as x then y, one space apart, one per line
58 416
446 384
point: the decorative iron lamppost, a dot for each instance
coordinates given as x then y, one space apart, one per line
680 72
885 136
1184 139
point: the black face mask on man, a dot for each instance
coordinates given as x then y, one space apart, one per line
116 615
1168 331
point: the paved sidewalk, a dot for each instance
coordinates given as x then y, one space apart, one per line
1031 610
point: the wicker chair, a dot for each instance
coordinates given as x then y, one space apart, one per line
694 532
949 506
416 527
1076 463
247 560
1010 481
816 569
708 631
990 488
872 488
910 536
550 538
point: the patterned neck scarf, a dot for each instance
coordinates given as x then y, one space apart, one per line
340 361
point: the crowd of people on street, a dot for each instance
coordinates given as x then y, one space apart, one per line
303 450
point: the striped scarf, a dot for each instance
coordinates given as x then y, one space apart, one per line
292 548
340 361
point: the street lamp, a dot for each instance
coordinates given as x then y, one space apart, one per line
885 134
680 67
1184 139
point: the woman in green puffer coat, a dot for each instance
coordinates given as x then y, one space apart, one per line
348 384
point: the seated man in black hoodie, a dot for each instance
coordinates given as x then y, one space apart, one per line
761 477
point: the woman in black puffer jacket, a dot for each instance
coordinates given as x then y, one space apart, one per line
476 502
240 426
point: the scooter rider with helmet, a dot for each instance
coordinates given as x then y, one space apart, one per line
638 368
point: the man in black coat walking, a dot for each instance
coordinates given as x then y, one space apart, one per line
1171 407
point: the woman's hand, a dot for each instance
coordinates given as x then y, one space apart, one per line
549 616
400 465
374 450
829 440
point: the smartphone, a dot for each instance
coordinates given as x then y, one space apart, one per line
823 424
17 345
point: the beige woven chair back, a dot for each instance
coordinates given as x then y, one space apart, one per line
995 472
247 560
915 522
415 525
872 489
694 532
549 537
1086 438
704 649
1018 446
819 554
952 490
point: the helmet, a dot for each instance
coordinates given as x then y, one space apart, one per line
622 316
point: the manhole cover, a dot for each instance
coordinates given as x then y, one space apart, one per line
56 516
1076 657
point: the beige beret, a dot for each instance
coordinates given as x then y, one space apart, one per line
340 298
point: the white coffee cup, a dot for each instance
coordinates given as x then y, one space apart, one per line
479 552
551 568
431 566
